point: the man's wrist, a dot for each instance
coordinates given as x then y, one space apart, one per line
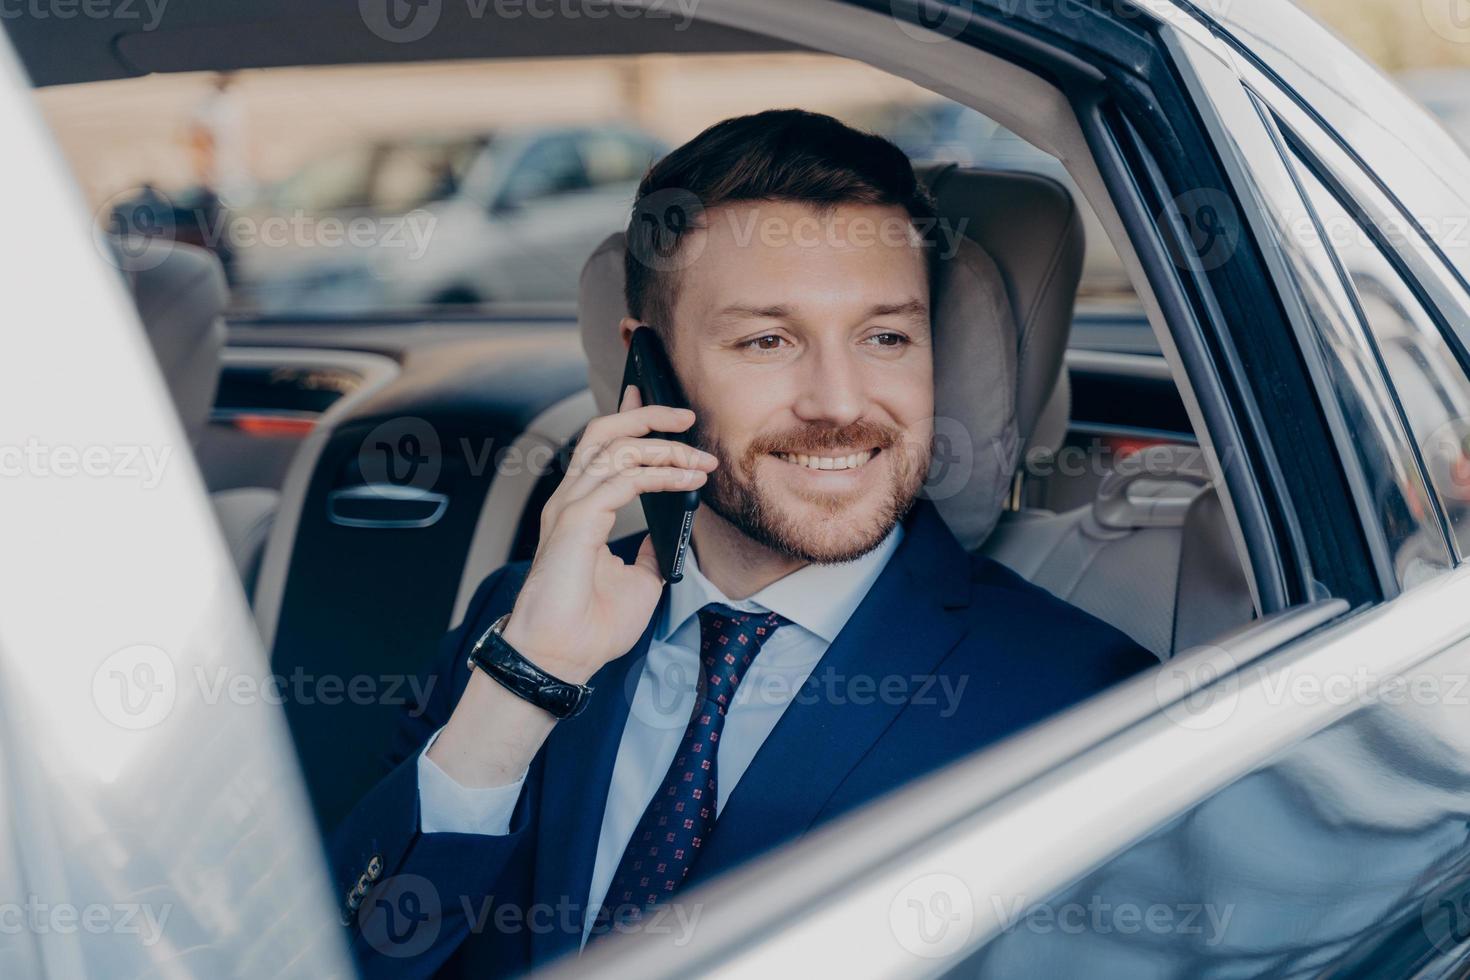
491 736
498 657
556 664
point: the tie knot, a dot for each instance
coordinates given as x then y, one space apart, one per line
728 643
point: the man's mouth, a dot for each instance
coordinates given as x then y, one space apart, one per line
846 461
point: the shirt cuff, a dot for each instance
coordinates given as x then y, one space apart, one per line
446 807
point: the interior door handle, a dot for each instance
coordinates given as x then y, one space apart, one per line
385 505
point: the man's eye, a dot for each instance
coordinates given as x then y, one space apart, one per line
769 342
889 339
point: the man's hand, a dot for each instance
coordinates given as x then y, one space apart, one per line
581 606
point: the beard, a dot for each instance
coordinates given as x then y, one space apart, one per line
733 492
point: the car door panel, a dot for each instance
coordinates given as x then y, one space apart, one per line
364 565
1311 861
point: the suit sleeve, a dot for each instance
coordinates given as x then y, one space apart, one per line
417 893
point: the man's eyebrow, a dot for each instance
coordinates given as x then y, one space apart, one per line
915 308
911 308
765 312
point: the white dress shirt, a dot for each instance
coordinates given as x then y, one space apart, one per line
817 599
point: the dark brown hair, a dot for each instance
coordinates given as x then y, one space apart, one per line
777 155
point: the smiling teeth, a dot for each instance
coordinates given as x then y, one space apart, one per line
851 462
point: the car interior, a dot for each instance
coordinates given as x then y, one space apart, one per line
369 471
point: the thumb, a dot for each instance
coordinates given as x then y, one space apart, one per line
647 560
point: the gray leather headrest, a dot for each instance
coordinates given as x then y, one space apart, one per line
1030 225
181 294
986 366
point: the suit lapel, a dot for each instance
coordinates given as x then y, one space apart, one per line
904 626
578 770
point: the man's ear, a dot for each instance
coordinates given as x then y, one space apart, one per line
626 326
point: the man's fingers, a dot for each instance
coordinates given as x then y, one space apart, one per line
625 454
611 494
632 422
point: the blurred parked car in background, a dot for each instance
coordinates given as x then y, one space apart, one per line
466 219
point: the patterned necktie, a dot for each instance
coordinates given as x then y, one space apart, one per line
681 814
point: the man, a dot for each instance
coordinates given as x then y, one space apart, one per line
830 639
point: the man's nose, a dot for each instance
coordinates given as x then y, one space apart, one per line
832 388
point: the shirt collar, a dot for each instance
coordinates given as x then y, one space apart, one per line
818 598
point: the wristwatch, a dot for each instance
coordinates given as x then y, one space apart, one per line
503 662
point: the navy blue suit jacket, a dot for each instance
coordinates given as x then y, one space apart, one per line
937 617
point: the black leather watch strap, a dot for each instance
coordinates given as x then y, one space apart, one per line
503 662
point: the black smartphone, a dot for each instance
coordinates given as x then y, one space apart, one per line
670 514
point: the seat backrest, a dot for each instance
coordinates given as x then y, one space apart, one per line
1030 225
1152 554
181 295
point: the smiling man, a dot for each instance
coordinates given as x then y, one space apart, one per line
598 740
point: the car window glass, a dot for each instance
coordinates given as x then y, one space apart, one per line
1400 143
1430 383
552 166
389 140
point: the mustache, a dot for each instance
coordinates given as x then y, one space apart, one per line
812 439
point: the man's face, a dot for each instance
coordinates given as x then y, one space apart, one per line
802 340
